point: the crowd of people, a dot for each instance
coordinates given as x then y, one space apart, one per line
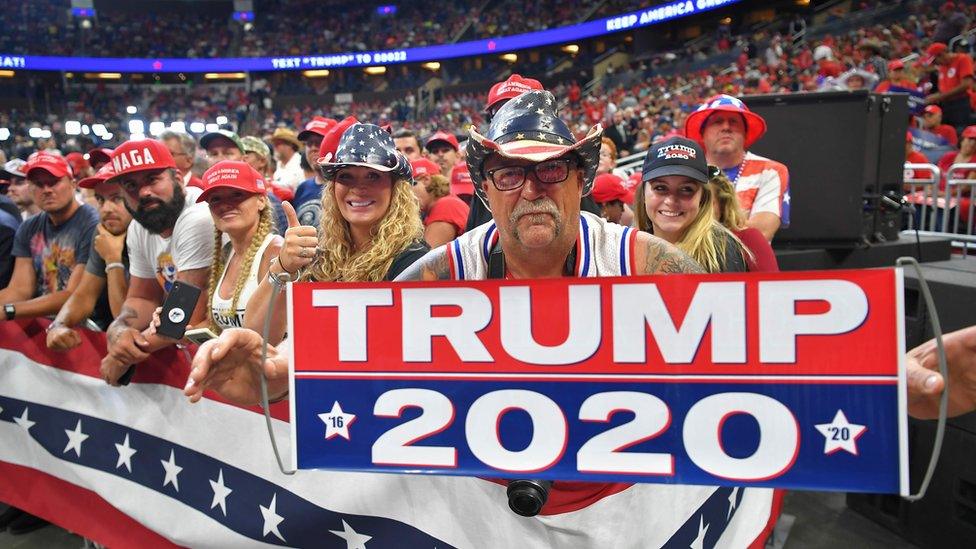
99 238
165 32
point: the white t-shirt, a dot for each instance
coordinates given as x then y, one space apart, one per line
290 174
189 247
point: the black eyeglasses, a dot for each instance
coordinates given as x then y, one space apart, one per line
509 178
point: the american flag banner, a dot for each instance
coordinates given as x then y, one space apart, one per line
140 466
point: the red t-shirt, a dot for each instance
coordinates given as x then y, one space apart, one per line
449 209
763 259
916 157
948 133
960 66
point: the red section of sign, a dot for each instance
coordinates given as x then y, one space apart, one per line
863 348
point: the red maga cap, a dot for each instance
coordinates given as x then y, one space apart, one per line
969 132
933 51
330 142
103 174
320 125
424 166
461 180
442 135
515 86
53 164
140 156
99 155
232 174
607 188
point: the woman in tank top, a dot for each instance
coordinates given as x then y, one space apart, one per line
244 239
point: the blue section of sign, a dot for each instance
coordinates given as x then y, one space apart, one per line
599 27
834 420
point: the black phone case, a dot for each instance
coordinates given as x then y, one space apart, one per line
177 309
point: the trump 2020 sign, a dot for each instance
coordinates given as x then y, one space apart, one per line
788 380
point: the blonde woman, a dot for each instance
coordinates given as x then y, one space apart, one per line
245 240
370 228
237 196
729 213
674 202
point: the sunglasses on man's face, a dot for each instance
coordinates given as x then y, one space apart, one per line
509 178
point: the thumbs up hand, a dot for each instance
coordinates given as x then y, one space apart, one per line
300 243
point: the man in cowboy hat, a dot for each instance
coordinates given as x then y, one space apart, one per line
531 172
289 168
726 128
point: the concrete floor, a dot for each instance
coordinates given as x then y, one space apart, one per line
811 520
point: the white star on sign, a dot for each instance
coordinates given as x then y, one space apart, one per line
699 541
354 540
125 454
735 492
840 434
337 422
540 111
220 492
75 438
172 471
24 421
271 518
786 197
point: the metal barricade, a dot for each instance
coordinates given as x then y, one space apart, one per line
959 190
923 194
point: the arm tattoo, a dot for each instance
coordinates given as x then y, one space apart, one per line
665 258
433 266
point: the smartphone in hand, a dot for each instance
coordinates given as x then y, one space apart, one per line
177 309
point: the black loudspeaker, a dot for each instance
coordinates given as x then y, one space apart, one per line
843 150
953 287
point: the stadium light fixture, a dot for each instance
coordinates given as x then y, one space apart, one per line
4 134
212 127
221 120
99 129
178 126
432 65
572 49
107 136
34 132
509 57
45 134
225 76
156 127
137 136
316 73
197 127
85 129
6 74
375 70
109 75
137 126
726 21
72 127
131 109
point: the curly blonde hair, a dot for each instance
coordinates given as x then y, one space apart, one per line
337 261
266 226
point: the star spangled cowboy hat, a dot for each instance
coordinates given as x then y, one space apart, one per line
528 128
369 146
695 124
